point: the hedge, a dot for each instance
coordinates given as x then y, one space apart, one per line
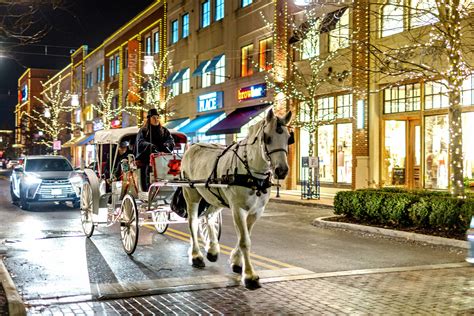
405 208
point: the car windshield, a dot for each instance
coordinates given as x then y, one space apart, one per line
39 165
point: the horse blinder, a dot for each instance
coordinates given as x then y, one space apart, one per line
291 139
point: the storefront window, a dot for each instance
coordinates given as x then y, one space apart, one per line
304 150
394 155
344 153
468 144
404 98
467 97
326 108
435 96
326 153
344 106
436 152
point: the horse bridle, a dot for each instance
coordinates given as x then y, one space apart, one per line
267 140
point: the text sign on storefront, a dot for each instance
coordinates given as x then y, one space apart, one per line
57 145
210 101
252 92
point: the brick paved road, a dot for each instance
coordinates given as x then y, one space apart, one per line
425 291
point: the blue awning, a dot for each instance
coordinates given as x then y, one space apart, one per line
235 120
85 140
172 124
179 76
199 122
170 78
213 63
199 69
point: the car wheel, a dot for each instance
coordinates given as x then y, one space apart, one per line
24 205
14 197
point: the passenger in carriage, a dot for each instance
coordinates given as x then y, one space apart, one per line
151 138
123 152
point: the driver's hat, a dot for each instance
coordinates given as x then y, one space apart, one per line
124 143
152 112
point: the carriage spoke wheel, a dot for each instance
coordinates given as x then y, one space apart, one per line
159 217
129 224
215 219
86 209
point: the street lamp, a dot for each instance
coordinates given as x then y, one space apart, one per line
74 100
148 67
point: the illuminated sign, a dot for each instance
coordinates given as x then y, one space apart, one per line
252 92
210 101
24 93
97 125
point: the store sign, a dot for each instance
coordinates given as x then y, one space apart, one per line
97 125
24 93
252 92
57 145
210 101
133 78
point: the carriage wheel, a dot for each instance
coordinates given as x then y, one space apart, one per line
86 210
158 217
129 224
215 219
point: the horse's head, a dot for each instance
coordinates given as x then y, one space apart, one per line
276 139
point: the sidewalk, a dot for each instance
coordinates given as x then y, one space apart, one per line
294 197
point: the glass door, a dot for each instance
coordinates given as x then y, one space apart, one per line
394 154
414 154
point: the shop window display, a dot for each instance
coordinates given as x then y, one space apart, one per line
436 151
468 144
344 153
394 156
326 153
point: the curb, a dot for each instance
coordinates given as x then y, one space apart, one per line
434 240
15 303
302 203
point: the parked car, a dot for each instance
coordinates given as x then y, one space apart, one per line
45 179
470 239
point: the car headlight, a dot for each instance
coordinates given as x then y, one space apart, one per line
76 180
31 179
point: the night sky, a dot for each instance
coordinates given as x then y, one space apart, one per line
79 22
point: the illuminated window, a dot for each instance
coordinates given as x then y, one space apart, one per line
467 96
185 25
344 106
246 3
392 17
175 88
186 82
148 46
436 96
111 67
205 14
206 76
220 70
265 54
117 64
246 61
403 98
156 42
174 31
423 12
310 44
326 108
339 36
219 9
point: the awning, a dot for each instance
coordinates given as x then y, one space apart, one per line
170 78
199 69
213 63
235 120
71 142
330 20
199 122
84 140
179 76
175 123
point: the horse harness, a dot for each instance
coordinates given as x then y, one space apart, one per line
248 180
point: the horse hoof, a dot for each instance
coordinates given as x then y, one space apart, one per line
211 257
198 263
252 284
236 269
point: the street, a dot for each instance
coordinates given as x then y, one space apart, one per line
51 261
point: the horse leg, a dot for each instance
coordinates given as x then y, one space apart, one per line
236 255
213 247
240 220
192 201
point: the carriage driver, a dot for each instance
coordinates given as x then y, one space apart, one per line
152 137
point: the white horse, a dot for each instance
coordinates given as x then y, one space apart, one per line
249 166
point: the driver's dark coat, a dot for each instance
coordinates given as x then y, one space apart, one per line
156 135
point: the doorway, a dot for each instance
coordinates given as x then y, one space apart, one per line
401 154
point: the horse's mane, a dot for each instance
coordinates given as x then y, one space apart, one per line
210 145
254 129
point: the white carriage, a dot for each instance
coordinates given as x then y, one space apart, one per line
106 200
